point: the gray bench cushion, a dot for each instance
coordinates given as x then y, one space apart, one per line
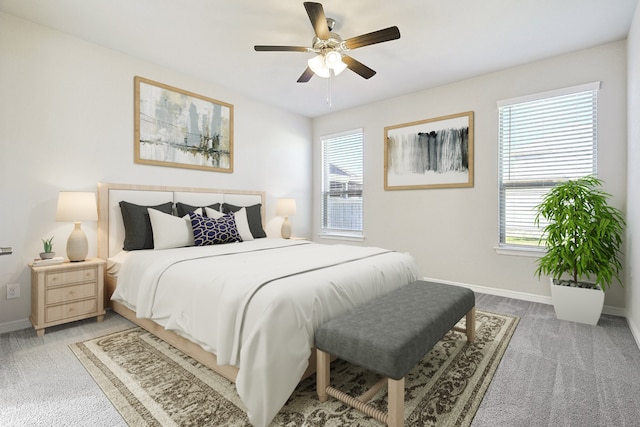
392 333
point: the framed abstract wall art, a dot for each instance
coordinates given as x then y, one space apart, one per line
431 153
177 128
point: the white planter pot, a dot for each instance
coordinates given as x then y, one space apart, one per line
580 305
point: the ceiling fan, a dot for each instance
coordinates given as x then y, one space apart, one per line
330 49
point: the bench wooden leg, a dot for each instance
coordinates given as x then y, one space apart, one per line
395 415
323 364
471 325
396 403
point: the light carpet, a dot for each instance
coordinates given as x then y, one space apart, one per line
152 384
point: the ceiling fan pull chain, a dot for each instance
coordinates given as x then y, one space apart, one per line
329 91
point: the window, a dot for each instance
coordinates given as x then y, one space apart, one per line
342 158
544 139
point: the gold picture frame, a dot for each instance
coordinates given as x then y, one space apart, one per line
431 153
177 128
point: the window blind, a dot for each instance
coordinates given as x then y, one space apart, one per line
544 139
342 183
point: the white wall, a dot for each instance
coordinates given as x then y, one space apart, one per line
66 123
453 232
633 177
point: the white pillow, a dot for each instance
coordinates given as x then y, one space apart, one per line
242 223
212 213
171 231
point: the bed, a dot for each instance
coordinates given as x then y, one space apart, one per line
248 309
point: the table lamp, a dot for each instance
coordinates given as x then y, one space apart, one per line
285 208
76 206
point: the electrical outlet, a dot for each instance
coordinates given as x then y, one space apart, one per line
13 290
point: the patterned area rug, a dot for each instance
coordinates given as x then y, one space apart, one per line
153 384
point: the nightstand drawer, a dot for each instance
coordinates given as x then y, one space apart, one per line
69 293
67 311
74 276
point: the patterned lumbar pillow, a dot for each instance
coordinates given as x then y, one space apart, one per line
241 222
209 231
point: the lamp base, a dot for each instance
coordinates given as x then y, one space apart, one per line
285 231
77 244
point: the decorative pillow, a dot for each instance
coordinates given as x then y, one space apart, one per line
241 222
209 231
170 231
137 225
183 209
212 213
253 216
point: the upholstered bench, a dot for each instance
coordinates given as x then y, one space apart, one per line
389 336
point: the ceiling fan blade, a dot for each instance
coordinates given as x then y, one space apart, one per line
358 67
318 19
306 76
384 35
261 48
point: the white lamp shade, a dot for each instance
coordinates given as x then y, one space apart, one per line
339 67
318 66
286 207
332 58
77 206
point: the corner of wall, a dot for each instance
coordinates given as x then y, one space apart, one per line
633 177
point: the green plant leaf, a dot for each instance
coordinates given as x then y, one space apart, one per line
583 233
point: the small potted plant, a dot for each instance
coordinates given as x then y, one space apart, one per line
48 249
583 237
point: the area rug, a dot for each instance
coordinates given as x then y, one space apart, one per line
152 384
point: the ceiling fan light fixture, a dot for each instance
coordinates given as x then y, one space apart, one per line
319 67
332 58
338 67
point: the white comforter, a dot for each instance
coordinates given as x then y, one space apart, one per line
256 304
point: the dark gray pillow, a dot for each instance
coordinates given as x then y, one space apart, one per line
182 208
254 217
137 225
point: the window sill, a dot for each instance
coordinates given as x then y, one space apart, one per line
520 251
351 237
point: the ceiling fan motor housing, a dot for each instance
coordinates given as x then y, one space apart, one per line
334 42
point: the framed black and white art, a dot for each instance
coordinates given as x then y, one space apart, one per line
431 153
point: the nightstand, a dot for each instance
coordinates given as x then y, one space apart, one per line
66 292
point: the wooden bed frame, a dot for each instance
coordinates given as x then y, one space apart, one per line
110 232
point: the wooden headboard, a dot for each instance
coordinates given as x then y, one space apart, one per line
111 227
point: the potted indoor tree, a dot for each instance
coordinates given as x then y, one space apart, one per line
583 237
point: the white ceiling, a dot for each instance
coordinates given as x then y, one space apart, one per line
442 41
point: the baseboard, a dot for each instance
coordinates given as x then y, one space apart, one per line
634 331
14 325
608 309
